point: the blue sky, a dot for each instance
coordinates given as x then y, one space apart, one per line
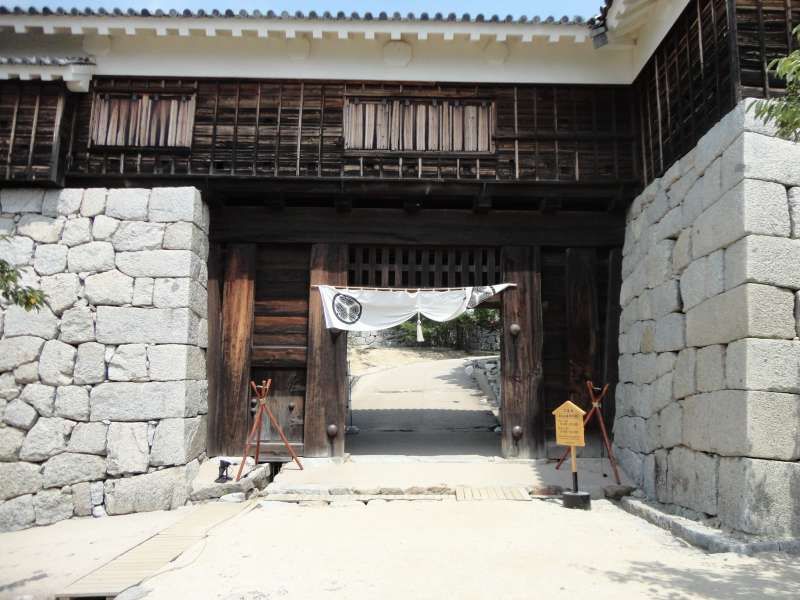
584 8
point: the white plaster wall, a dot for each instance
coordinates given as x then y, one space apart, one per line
434 59
103 391
708 408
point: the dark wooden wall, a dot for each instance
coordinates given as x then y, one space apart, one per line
763 33
420 266
280 337
32 131
250 128
688 84
715 54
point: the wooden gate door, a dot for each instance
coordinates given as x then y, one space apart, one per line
326 381
280 339
522 412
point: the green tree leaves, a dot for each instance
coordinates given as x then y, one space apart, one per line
784 111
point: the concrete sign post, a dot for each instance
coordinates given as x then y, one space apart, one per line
569 432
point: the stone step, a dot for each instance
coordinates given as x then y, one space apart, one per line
351 498
328 493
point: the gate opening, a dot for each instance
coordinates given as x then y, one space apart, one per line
439 397
436 398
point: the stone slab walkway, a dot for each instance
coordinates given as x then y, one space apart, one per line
365 474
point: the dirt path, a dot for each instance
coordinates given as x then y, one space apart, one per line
364 359
422 408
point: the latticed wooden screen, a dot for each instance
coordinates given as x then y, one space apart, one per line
686 86
31 130
403 266
763 33
418 125
142 120
296 129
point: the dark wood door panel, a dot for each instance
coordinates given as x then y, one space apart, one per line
286 400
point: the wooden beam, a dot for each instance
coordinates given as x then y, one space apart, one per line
441 227
326 382
523 335
582 320
216 405
610 372
233 412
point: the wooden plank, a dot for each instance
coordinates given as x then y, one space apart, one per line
276 451
610 372
279 356
286 402
290 307
237 331
582 321
438 227
280 338
326 383
297 324
12 136
145 559
523 404
34 127
214 351
55 147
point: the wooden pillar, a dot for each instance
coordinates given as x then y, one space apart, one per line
523 334
610 372
582 321
326 379
232 413
214 350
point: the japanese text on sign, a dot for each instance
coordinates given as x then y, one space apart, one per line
569 425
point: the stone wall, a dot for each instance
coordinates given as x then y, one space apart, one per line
708 411
103 392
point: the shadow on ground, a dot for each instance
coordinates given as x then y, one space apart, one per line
744 582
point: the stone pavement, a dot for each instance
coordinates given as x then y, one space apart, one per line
422 409
371 474
421 550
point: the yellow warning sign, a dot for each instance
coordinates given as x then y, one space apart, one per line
569 424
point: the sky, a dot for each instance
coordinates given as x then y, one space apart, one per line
516 8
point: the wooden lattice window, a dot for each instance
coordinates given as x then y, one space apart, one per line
142 120
404 266
419 125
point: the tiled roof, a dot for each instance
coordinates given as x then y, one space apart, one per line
46 61
298 15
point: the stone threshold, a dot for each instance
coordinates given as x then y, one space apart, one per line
297 498
331 493
702 536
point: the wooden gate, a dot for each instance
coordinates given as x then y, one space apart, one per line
559 328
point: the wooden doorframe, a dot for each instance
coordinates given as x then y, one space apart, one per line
326 374
522 406
230 405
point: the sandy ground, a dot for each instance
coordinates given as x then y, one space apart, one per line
38 562
424 408
364 358
464 550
